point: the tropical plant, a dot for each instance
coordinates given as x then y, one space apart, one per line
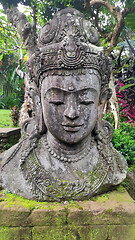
12 86
10 41
11 50
124 73
124 142
126 99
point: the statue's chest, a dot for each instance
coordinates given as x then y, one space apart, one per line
63 181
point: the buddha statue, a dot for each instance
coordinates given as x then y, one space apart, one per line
65 151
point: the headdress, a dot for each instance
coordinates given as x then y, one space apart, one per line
66 44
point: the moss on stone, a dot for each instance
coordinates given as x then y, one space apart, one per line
12 199
118 194
109 216
74 204
45 217
123 232
101 198
70 233
17 233
120 189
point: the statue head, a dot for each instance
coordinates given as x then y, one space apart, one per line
68 78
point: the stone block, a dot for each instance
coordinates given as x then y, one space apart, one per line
17 233
122 232
6 132
106 217
47 217
14 216
70 233
113 208
9 135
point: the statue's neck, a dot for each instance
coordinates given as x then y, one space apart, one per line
67 149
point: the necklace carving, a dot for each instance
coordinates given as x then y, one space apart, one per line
79 156
47 187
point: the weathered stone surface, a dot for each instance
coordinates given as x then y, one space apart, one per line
102 217
17 233
129 183
109 209
70 233
121 232
13 216
6 132
10 136
48 217
109 216
92 232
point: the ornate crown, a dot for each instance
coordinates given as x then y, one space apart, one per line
68 42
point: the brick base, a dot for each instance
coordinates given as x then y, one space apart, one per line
107 217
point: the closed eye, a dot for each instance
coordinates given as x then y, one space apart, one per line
86 102
56 102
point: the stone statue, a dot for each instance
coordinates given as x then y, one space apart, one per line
65 151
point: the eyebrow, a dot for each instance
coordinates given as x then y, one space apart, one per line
66 91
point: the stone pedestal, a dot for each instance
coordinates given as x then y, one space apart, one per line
107 217
9 136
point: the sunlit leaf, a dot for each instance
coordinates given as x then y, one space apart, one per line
126 86
1 57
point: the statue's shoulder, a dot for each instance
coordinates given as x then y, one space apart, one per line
14 154
9 154
11 177
119 160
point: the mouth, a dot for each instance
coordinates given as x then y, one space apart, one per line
72 128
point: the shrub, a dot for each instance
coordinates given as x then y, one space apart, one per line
8 102
126 99
125 87
124 141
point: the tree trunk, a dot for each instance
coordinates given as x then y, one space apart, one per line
26 30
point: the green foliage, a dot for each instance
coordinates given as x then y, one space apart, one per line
124 141
125 44
109 117
5 120
106 20
124 73
7 102
12 86
10 40
7 146
11 91
14 3
130 21
130 18
47 8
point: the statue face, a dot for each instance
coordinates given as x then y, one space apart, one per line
70 105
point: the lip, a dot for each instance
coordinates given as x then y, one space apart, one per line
72 128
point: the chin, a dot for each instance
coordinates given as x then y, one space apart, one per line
72 138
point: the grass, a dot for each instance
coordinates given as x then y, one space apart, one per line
5 120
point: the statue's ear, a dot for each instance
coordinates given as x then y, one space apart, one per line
38 113
104 96
42 126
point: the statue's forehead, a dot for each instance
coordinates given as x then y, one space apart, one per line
72 83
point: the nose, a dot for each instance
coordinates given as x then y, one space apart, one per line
71 111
